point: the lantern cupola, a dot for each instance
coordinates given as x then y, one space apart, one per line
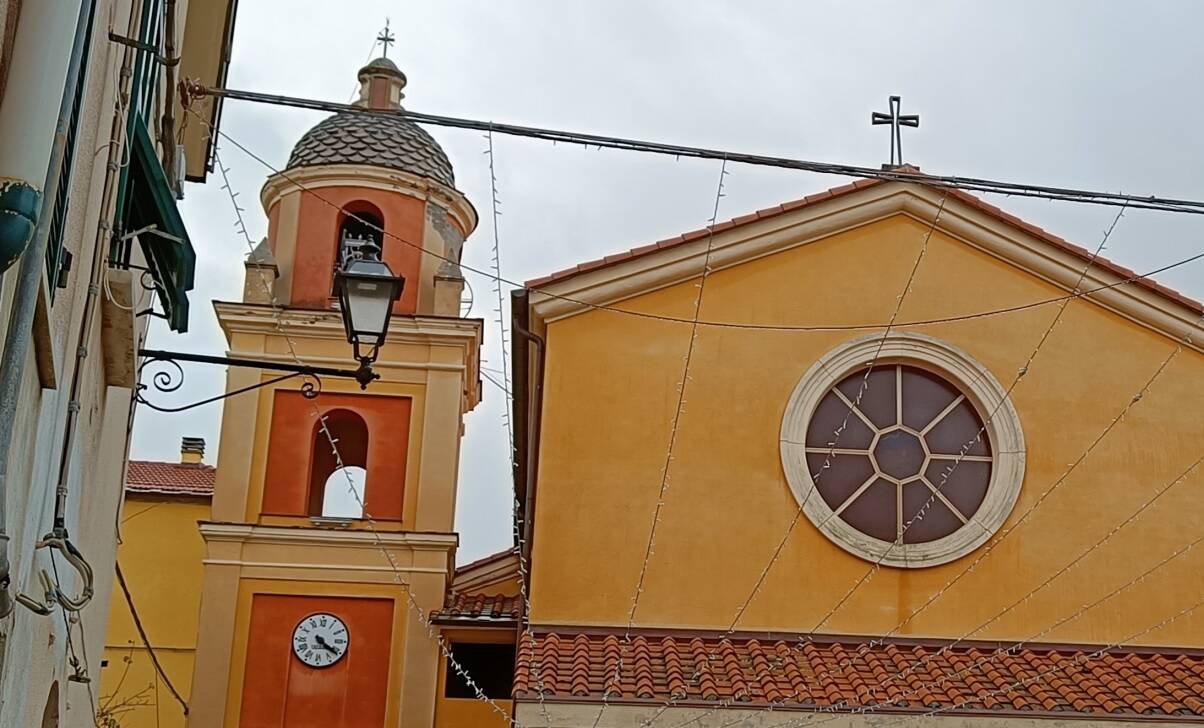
371 174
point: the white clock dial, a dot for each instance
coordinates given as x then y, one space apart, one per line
320 640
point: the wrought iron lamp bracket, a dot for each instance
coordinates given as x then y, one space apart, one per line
170 379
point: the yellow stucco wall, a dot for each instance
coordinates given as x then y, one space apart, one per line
160 556
611 394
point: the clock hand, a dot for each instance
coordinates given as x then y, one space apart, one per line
324 645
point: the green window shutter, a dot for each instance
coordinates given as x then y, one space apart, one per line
151 207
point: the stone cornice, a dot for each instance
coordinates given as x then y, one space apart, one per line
361 175
257 318
213 531
327 325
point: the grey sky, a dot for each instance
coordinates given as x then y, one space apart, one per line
1098 95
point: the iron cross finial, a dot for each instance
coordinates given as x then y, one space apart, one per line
896 120
385 38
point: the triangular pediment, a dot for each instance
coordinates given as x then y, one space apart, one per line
609 281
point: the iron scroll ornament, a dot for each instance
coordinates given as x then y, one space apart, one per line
171 378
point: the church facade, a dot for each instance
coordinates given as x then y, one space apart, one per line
878 465
883 455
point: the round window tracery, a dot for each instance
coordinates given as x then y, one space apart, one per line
913 461
899 454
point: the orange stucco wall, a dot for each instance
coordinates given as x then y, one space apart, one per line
280 690
611 393
291 449
318 222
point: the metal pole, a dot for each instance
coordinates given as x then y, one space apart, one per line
157 354
25 300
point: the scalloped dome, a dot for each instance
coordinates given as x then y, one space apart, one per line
376 139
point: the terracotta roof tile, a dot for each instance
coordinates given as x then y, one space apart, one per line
845 189
855 674
478 607
160 478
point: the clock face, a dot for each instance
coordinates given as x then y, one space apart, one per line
320 640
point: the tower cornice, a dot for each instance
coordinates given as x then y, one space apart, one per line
371 177
461 334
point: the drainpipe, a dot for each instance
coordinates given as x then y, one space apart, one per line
40 60
532 443
29 274
167 123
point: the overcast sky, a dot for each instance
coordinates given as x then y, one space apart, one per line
1086 94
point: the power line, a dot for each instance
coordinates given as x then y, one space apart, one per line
903 174
150 650
785 328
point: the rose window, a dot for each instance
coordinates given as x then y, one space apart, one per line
900 455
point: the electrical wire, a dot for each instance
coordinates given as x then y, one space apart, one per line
904 174
150 650
316 194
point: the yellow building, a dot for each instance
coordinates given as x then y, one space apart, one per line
909 477
160 564
886 454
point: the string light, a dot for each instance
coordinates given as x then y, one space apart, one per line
509 401
1181 344
1188 341
965 448
907 288
673 430
877 564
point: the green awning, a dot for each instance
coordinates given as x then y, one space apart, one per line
149 201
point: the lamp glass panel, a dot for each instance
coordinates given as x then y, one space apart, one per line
369 303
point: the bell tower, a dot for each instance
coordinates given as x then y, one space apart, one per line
314 552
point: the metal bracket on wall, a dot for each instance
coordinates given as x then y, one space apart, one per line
170 379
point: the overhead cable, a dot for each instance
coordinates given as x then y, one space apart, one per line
785 328
601 141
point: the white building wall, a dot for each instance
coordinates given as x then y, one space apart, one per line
35 652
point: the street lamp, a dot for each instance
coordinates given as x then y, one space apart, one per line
367 291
